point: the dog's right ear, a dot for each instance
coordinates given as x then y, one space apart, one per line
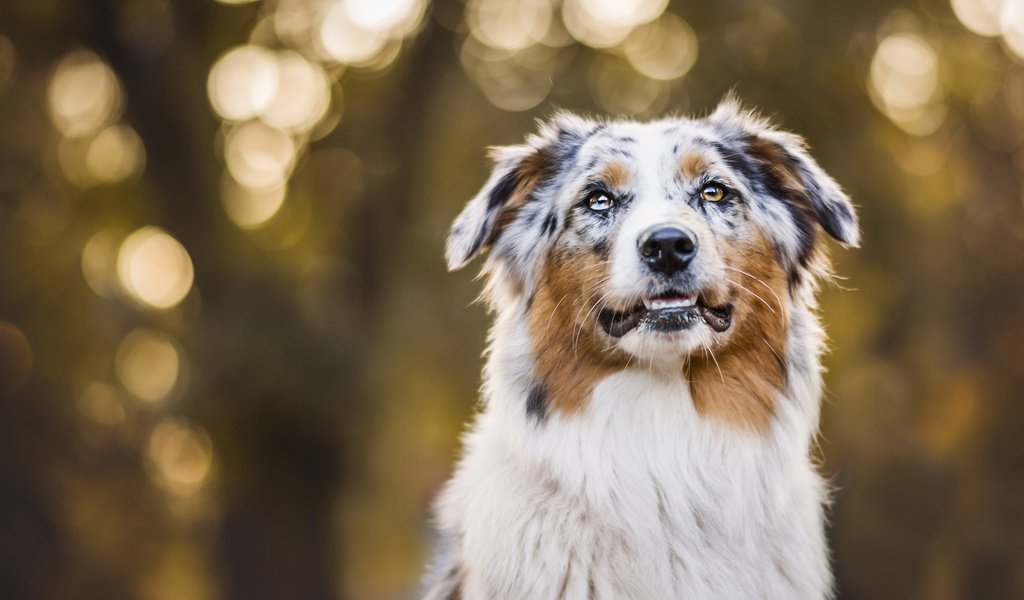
518 170
479 223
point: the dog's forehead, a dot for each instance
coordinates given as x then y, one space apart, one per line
655 147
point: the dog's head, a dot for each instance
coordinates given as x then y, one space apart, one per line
665 242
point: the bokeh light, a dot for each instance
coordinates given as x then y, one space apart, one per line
154 268
1011 25
980 16
510 24
283 88
344 41
15 358
664 49
147 364
83 95
301 95
250 208
243 82
259 156
605 23
512 82
904 83
99 262
100 403
180 455
396 17
115 154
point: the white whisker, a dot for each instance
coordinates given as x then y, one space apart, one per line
747 290
757 279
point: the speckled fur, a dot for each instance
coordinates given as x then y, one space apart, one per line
649 483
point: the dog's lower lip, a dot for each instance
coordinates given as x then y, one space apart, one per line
718 318
617 323
666 315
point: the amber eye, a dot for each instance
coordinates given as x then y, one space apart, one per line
600 201
712 192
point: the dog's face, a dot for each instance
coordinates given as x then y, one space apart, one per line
655 241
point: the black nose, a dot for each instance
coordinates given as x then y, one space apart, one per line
668 250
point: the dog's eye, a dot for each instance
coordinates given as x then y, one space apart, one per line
712 192
600 201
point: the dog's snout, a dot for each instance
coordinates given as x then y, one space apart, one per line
668 250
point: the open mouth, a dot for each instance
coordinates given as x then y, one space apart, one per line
666 313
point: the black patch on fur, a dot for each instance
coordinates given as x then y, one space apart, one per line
550 224
570 219
601 248
503 190
478 241
497 198
537 403
831 219
805 227
740 162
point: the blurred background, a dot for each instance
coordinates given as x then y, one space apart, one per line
232 365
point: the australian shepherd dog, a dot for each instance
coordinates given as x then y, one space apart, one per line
652 386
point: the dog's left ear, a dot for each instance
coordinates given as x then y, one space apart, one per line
790 169
785 154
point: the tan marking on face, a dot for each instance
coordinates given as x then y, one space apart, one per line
569 356
739 383
615 175
692 165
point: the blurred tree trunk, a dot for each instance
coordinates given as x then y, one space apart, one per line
285 453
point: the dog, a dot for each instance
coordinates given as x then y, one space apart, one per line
652 385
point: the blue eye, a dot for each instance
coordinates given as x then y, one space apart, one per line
600 201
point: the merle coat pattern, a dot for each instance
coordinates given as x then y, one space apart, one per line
653 380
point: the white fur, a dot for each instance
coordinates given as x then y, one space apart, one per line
638 497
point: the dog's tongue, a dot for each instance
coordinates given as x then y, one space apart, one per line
718 319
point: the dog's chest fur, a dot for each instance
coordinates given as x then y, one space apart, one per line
636 496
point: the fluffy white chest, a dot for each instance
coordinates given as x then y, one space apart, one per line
638 497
